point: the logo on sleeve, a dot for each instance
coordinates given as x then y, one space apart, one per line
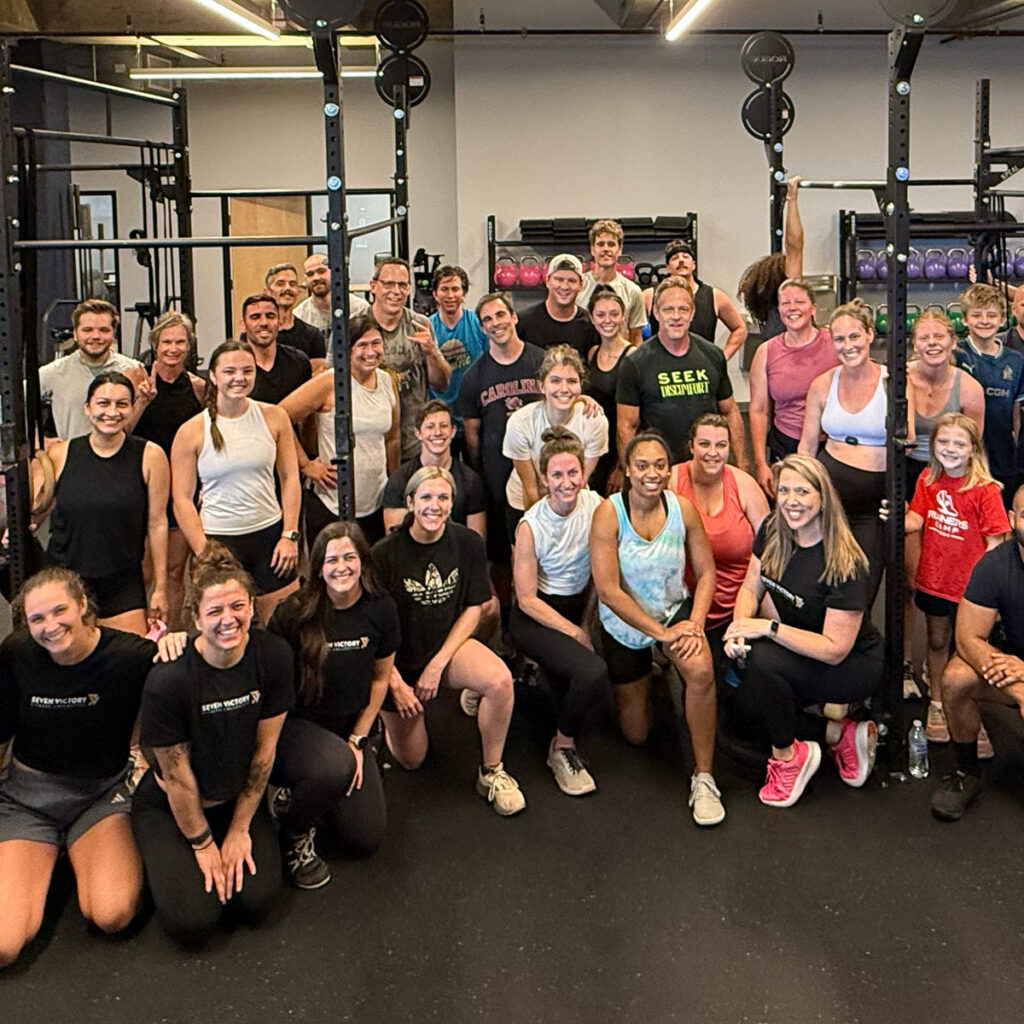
433 590
87 700
215 707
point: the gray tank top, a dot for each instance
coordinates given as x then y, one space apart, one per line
923 425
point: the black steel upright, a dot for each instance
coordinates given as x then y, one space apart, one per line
325 49
183 203
401 114
14 449
776 167
904 46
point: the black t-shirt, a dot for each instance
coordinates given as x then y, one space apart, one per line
491 392
217 710
672 391
356 638
801 598
469 489
433 584
305 338
73 720
997 581
290 370
538 327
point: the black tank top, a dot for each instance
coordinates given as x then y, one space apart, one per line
98 525
601 386
175 403
704 321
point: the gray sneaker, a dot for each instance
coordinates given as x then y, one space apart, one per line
500 790
308 869
706 800
570 772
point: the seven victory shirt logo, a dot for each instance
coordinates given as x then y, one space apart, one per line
433 590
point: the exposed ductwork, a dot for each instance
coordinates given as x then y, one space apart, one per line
980 14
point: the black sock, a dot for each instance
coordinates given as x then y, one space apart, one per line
967 757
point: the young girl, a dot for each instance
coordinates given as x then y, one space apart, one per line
958 508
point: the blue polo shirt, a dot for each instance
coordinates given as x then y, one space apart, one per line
461 345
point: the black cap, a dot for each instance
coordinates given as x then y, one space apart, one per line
676 246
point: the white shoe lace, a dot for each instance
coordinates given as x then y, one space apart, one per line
499 779
705 783
303 850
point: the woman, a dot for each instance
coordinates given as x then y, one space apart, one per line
173 396
561 377
209 724
849 404
801 622
935 387
641 542
437 573
110 498
69 697
781 373
343 630
732 508
552 579
375 427
232 450
608 313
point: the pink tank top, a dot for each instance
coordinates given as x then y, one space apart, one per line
731 537
790 372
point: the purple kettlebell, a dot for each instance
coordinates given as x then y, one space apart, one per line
882 266
958 265
914 264
866 264
934 264
1018 263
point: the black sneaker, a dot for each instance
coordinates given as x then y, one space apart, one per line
308 869
279 799
957 792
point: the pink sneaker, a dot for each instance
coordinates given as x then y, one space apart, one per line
985 751
787 779
855 751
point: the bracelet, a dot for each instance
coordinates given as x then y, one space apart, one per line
206 845
205 834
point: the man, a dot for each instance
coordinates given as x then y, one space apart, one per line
979 671
316 309
1014 338
64 382
558 320
710 304
410 350
280 369
282 282
668 382
606 248
459 335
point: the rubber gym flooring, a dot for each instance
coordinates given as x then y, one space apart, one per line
853 906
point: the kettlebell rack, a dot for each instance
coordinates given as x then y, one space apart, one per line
519 264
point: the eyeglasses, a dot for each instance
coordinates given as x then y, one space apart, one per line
399 286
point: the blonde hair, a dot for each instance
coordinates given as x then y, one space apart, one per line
978 474
606 227
562 355
803 284
981 296
940 318
171 318
844 558
856 308
671 282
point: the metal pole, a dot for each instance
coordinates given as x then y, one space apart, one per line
100 140
776 169
401 113
183 204
904 46
88 83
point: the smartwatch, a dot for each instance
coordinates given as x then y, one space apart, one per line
773 627
290 535
359 742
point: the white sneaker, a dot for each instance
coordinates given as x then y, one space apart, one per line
570 772
500 789
469 701
706 800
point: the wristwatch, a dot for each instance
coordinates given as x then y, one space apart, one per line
290 535
359 742
773 627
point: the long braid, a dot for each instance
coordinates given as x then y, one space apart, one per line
210 389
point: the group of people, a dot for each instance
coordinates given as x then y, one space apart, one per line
551 487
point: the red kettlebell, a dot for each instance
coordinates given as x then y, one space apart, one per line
505 272
529 272
626 266
543 271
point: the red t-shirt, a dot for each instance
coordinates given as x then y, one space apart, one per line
956 524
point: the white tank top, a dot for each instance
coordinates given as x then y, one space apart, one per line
237 483
562 544
372 412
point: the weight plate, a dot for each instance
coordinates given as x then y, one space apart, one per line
334 13
756 114
767 57
399 68
401 24
931 11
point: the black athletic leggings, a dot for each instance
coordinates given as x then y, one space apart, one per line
778 683
317 766
579 673
187 912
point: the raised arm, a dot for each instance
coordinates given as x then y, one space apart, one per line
793 230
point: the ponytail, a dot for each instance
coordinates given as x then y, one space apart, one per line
210 390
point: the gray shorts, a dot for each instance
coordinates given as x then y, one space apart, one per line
57 809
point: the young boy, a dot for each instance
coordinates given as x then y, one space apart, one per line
1000 371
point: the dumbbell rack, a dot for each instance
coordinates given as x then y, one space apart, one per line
945 231
644 240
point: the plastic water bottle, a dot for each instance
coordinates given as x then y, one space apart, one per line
917 747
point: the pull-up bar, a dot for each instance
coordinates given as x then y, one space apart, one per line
871 185
89 83
105 140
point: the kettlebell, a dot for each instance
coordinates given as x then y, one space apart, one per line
529 272
882 319
914 264
913 312
626 266
506 272
955 312
543 271
866 264
958 265
882 266
1018 263
934 264
1009 265
643 273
